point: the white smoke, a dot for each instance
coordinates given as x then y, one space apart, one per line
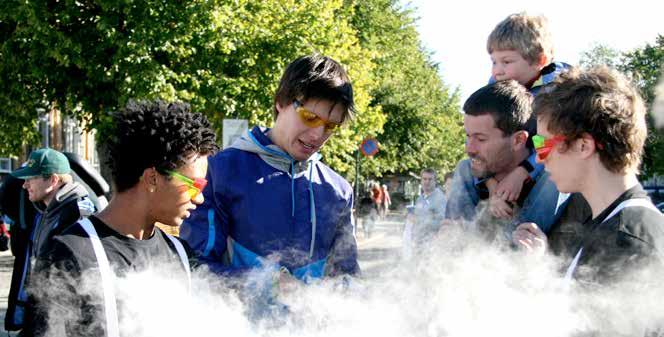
462 286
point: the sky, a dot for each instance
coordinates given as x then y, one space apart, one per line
456 32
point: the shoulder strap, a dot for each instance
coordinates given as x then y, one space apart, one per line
642 202
638 202
183 256
110 305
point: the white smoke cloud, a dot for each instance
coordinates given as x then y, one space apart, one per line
460 287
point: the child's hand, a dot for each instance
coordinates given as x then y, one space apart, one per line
510 187
500 208
528 236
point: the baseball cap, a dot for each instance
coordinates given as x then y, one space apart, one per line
43 162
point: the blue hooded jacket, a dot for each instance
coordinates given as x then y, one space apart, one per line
264 209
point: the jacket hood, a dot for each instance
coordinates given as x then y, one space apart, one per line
66 192
256 141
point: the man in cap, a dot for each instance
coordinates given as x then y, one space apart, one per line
60 202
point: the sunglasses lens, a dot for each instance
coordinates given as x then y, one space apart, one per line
200 183
542 153
312 120
309 118
538 141
193 192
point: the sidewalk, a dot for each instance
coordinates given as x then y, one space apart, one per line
380 251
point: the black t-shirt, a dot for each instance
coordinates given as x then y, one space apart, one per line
66 289
613 249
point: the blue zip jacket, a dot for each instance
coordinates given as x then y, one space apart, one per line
264 209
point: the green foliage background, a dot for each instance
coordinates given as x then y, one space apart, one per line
87 58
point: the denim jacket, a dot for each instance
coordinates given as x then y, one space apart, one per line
543 205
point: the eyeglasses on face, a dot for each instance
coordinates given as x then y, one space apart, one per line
543 146
196 185
312 120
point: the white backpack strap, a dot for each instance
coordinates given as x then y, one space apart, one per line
631 203
638 202
107 280
572 267
183 256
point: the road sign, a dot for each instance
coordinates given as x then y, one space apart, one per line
369 147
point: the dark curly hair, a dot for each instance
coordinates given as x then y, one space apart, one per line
155 134
600 102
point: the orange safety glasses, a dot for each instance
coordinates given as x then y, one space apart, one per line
196 185
312 120
544 146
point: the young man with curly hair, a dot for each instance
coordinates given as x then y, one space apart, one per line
271 202
158 159
592 129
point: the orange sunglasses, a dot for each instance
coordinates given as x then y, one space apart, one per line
312 120
196 185
544 146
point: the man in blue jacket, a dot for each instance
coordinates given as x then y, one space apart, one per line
270 203
495 118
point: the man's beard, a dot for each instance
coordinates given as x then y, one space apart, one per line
482 172
490 168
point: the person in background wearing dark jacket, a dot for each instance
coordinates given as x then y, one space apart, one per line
157 154
271 203
59 202
592 130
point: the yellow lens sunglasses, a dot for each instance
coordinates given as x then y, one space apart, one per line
312 120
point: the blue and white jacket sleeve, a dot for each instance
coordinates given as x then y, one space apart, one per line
343 255
206 229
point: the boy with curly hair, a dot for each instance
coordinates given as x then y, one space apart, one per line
157 153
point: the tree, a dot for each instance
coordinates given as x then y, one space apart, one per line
600 54
224 57
646 65
423 126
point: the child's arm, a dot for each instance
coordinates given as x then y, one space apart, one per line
500 208
497 206
510 187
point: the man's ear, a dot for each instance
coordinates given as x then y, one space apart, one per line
587 145
149 178
519 139
53 180
278 108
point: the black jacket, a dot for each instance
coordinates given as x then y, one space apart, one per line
614 248
68 206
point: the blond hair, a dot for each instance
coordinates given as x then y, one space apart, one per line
527 34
